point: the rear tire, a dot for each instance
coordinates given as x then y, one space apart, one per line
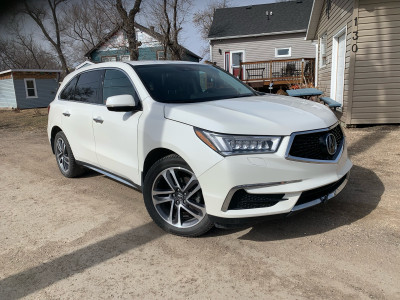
65 158
173 198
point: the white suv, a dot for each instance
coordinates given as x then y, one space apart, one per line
204 148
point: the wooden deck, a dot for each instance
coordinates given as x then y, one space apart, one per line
287 71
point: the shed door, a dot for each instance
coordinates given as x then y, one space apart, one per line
338 66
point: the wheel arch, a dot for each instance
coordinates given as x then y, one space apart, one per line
54 131
153 156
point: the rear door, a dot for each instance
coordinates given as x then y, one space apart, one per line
80 94
116 133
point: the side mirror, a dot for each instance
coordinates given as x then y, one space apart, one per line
121 103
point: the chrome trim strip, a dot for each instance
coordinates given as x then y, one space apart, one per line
322 199
317 161
228 197
112 176
306 205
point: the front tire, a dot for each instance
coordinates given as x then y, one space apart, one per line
173 198
65 158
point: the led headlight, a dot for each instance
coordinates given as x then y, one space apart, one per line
228 144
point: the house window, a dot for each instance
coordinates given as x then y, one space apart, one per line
125 58
30 88
283 52
108 58
160 55
322 51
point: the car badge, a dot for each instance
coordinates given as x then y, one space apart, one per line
331 144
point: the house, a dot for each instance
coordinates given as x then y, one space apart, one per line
263 43
114 47
28 88
358 61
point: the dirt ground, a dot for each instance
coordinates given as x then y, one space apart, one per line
91 238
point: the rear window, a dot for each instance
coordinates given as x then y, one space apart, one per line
88 88
69 90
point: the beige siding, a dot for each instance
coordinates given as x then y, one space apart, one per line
376 97
263 48
341 15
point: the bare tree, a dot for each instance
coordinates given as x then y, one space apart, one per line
128 25
204 18
18 49
169 16
14 55
88 21
49 25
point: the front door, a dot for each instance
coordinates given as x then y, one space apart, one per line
115 133
338 67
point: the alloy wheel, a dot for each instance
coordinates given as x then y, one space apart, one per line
62 155
177 197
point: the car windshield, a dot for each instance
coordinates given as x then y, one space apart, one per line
186 83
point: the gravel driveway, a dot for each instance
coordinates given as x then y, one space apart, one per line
91 238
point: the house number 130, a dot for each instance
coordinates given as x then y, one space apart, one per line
354 48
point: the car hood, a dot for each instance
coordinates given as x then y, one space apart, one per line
256 115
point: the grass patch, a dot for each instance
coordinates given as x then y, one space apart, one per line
28 119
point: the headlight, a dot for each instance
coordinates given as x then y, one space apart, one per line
227 144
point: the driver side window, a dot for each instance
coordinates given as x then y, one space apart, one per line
117 83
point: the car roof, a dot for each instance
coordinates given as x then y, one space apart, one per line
124 64
132 63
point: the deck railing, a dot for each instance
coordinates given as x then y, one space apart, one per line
278 71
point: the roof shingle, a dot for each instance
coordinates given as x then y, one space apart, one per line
252 20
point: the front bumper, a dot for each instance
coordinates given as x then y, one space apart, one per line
269 174
323 198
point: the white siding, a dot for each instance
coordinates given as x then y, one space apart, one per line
263 47
7 93
377 63
340 16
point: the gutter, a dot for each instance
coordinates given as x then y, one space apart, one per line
255 35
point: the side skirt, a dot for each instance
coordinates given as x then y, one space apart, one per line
111 175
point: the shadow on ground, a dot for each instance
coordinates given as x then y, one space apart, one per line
361 196
46 274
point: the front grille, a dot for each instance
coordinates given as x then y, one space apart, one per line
243 200
322 191
312 146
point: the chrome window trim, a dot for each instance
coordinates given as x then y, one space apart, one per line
228 197
317 161
104 69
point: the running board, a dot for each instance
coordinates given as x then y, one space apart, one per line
112 176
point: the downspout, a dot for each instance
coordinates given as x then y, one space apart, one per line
211 58
316 63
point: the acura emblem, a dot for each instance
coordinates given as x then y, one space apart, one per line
331 144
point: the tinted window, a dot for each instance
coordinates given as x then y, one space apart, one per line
88 88
68 91
173 83
117 83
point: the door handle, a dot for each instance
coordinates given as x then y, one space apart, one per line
98 120
66 113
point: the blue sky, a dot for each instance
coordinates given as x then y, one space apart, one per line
191 38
